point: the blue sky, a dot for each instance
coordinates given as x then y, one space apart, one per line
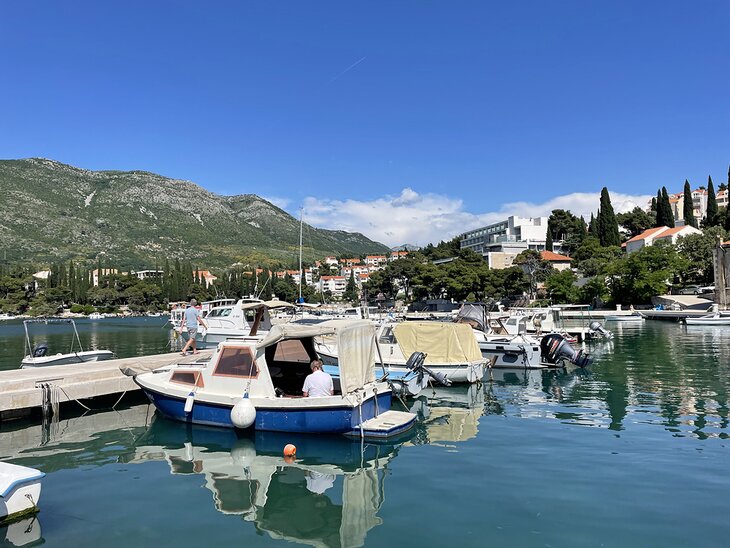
375 113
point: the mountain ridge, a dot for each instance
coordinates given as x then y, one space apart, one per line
138 218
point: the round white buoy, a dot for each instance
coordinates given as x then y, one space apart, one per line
243 413
189 402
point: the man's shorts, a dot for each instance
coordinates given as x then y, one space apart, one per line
192 332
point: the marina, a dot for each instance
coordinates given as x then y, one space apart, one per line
645 407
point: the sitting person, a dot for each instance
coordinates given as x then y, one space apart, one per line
318 383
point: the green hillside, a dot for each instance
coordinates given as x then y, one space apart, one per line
54 211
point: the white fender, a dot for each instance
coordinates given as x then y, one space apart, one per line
243 414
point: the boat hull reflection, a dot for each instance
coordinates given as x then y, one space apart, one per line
329 495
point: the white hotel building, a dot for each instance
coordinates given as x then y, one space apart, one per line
500 243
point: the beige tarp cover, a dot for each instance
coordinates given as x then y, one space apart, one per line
356 354
442 342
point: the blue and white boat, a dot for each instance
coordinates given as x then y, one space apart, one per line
255 383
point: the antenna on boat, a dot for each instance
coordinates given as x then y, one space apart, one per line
301 273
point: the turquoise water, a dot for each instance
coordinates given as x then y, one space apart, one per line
632 452
125 337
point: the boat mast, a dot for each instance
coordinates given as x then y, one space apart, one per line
301 274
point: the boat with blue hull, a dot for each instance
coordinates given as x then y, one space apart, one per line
257 384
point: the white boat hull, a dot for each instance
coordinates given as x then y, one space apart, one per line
20 490
707 321
67 359
458 373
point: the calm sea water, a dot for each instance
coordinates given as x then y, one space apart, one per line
125 337
632 452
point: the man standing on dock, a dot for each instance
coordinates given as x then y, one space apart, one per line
191 318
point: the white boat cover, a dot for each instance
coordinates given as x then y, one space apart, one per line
267 304
355 343
293 331
442 342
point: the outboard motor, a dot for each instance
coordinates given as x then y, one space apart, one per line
555 348
40 350
598 328
415 364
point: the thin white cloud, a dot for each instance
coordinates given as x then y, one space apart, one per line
415 218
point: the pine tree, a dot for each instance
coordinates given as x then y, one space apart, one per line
607 225
711 204
687 207
668 214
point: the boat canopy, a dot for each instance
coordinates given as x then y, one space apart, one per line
475 313
266 304
355 343
441 342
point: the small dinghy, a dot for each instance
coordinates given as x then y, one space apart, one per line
20 489
38 356
626 318
712 319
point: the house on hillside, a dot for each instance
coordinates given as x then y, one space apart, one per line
557 261
662 233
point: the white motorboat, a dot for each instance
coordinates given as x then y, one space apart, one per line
711 319
244 318
38 356
515 349
451 350
257 384
96 316
20 490
636 317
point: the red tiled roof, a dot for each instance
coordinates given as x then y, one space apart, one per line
671 231
550 256
647 233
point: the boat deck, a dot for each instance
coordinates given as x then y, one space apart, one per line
387 424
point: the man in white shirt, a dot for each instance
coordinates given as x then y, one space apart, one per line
319 383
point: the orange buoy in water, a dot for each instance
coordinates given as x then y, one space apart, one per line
290 450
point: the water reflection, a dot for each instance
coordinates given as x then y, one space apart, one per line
25 532
448 414
330 495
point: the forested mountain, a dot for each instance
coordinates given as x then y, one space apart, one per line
54 211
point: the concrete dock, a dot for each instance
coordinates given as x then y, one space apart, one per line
22 392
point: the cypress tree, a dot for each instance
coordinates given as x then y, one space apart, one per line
548 238
711 203
592 229
653 205
687 208
607 225
668 214
659 209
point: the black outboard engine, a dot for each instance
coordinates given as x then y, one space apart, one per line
598 328
555 348
415 364
40 350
